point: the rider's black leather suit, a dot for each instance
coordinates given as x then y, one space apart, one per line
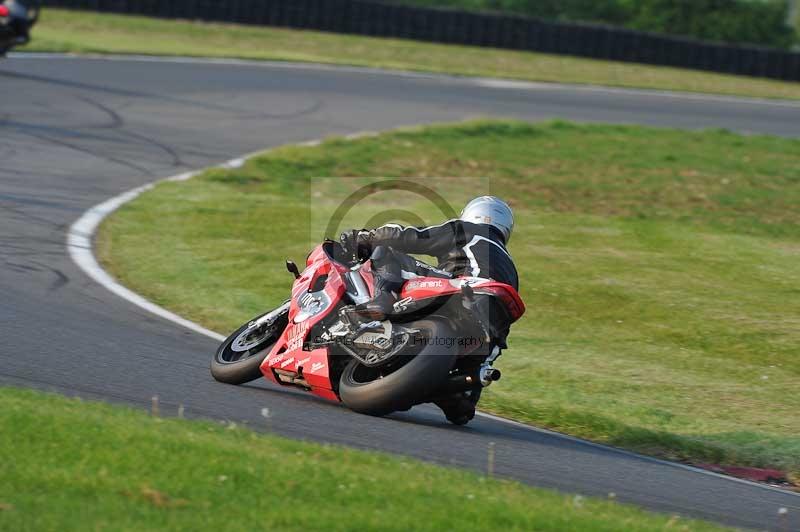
461 248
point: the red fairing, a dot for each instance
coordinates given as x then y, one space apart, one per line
287 355
425 287
316 255
428 287
509 296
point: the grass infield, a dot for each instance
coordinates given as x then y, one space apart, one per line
659 268
76 465
85 32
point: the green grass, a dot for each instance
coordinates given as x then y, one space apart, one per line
84 32
75 465
659 267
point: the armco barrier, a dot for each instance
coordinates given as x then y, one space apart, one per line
459 27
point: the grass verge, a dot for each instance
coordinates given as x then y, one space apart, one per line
85 32
659 266
79 465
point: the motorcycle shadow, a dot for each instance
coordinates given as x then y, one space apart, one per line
427 414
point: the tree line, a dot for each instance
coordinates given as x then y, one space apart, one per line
761 22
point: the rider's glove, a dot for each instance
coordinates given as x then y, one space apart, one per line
359 243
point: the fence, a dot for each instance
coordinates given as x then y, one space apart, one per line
478 29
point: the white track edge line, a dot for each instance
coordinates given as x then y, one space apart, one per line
79 245
485 82
81 250
80 237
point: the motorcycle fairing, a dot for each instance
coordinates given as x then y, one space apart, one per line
287 362
422 288
317 292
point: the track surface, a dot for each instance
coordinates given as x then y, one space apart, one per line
74 132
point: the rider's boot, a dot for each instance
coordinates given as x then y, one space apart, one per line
388 281
459 409
382 304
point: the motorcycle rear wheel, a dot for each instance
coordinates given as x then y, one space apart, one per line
238 359
383 390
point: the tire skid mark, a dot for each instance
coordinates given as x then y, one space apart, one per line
85 132
28 200
61 279
115 119
19 212
123 136
115 160
236 112
175 157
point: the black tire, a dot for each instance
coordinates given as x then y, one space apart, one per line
239 367
411 383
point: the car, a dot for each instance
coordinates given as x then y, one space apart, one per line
17 17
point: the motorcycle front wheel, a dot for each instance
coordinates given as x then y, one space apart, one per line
410 378
238 359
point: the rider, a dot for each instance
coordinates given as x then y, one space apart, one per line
473 245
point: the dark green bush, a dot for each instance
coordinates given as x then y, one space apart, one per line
736 21
751 21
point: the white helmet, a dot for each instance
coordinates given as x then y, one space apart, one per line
492 211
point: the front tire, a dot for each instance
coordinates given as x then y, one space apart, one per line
373 392
238 359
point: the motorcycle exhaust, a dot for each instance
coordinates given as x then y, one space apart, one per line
488 375
483 377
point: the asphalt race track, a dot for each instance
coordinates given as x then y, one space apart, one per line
74 132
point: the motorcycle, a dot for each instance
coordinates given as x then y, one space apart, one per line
439 341
16 20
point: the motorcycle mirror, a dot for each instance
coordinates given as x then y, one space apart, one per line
292 268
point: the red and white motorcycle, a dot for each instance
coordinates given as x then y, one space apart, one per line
439 341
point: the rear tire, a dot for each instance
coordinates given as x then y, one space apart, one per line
410 384
237 361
